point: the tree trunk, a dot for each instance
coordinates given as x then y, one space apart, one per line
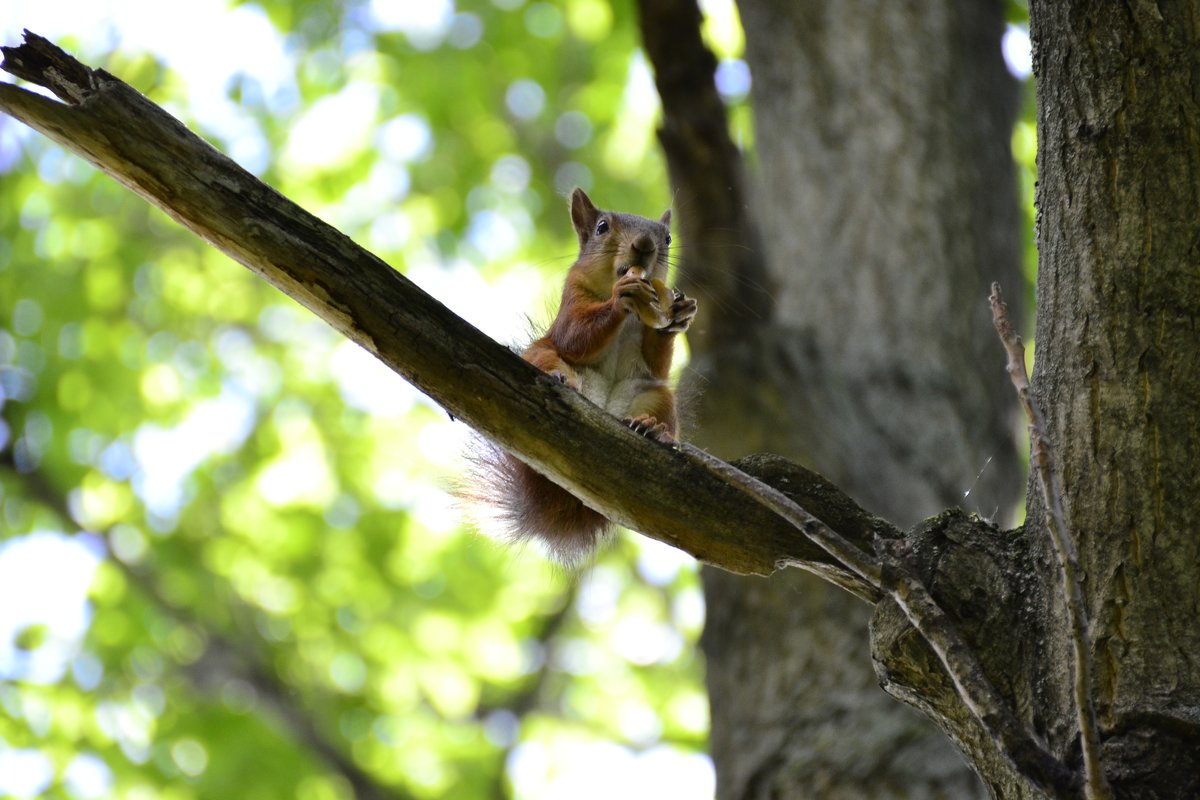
1118 366
887 204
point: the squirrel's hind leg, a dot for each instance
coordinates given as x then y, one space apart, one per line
547 360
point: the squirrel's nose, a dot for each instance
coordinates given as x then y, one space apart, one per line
643 244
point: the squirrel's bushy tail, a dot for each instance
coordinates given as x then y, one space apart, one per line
505 498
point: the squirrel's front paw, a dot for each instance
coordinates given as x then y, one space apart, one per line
651 428
635 292
683 309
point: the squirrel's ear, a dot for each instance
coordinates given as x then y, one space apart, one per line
666 219
583 215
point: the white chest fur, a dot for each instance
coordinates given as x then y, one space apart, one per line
621 374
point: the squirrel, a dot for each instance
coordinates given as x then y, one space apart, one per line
612 340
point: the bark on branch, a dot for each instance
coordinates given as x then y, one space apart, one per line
694 506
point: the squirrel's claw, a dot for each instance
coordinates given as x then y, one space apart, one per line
566 376
683 309
651 428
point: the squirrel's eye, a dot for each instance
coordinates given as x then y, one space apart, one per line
602 227
668 240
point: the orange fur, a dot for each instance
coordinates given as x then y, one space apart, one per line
510 499
598 345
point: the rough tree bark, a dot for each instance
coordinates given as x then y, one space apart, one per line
1117 375
1118 367
886 204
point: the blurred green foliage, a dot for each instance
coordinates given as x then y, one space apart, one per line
285 602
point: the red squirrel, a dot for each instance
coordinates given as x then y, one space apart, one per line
612 340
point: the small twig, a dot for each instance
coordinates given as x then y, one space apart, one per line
850 556
1096 786
887 571
1032 760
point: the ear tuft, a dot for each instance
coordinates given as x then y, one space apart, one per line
666 219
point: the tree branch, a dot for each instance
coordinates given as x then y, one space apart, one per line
707 172
1095 784
888 570
692 506
970 681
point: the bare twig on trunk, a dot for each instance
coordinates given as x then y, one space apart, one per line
1095 784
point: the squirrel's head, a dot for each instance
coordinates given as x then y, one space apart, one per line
620 241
